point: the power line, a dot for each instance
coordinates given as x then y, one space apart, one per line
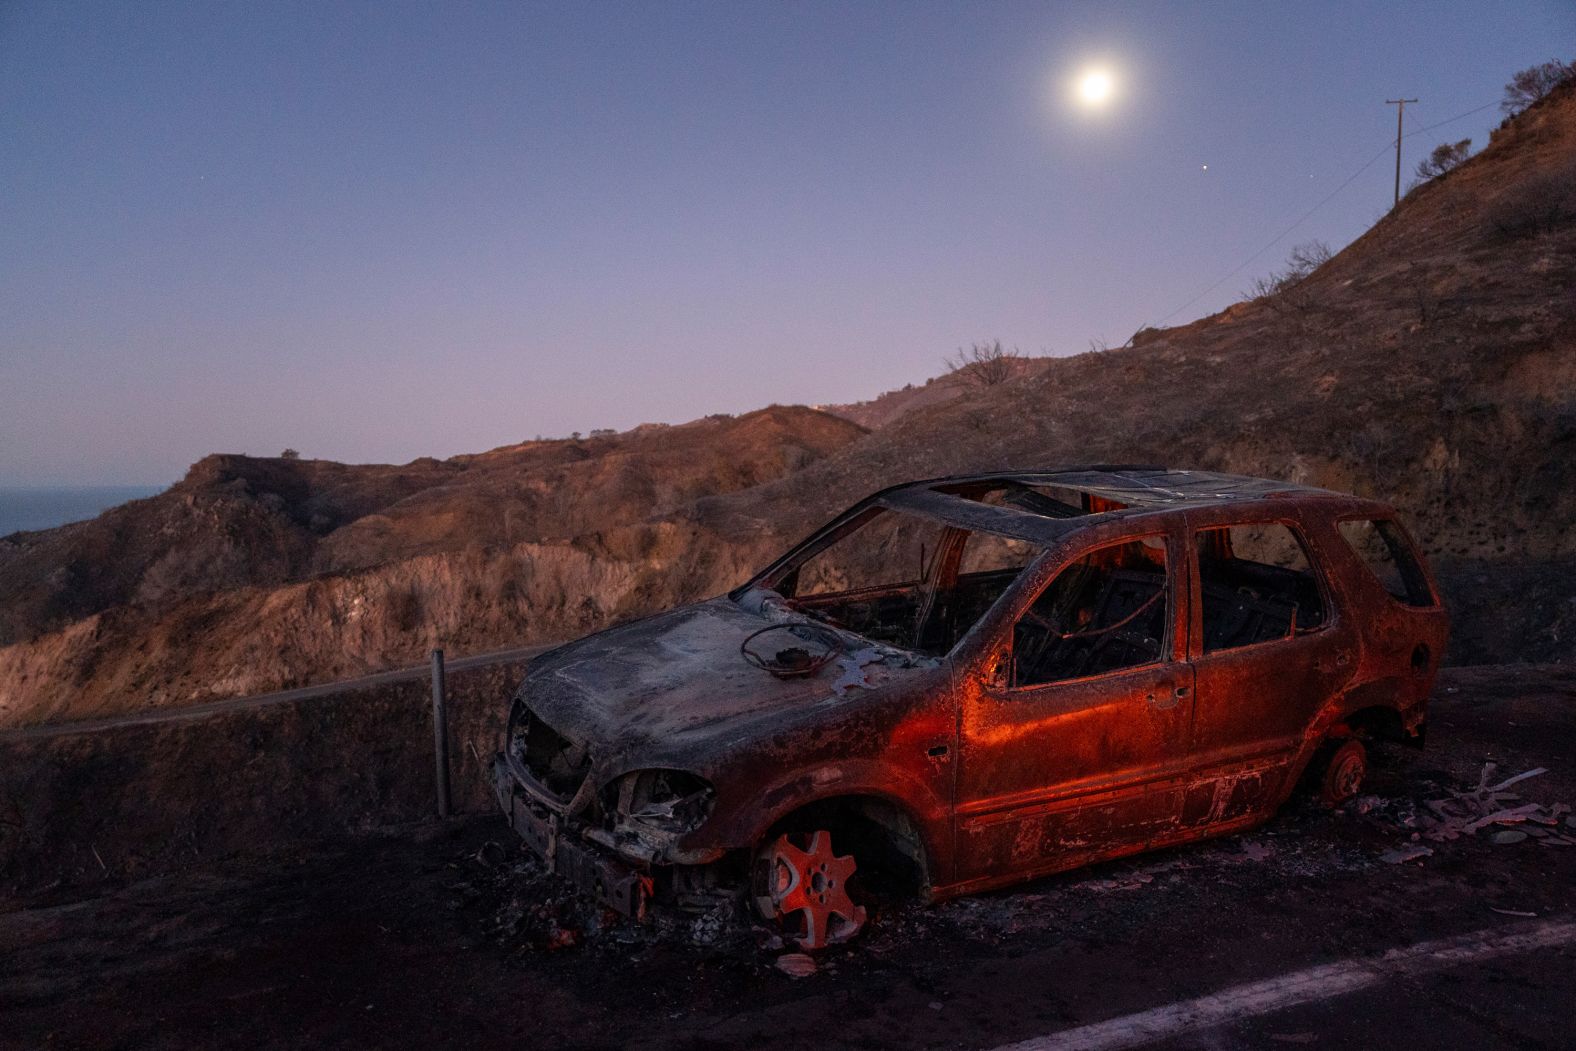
1306 215
1452 120
1272 242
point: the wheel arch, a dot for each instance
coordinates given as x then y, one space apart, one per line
1371 710
1377 709
1377 721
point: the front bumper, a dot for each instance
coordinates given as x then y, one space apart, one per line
592 869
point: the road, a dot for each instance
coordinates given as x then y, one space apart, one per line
262 700
1296 934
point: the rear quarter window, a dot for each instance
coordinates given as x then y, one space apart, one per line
1258 585
1389 556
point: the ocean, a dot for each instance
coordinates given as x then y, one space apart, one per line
46 507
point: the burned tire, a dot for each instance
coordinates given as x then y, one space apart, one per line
1342 771
799 883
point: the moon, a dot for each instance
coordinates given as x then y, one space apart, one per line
1095 87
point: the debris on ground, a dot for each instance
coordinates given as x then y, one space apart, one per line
521 904
1129 882
1257 851
1365 804
1486 807
796 964
1466 813
1407 853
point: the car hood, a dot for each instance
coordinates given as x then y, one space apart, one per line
667 684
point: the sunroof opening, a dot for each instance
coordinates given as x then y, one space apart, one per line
1047 501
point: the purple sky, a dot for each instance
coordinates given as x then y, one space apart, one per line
380 231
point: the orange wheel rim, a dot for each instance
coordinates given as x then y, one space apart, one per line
806 889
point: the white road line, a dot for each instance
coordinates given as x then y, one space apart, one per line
1300 987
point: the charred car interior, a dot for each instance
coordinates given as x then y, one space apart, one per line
963 683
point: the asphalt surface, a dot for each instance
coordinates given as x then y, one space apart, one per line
1295 934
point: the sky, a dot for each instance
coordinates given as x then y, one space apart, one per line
378 231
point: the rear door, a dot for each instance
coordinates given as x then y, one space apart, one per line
1268 647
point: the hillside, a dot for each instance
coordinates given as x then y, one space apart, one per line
256 573
1431 363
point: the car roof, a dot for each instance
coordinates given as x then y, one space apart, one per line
1138 489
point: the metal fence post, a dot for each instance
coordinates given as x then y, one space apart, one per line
440 733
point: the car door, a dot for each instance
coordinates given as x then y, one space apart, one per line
1074 726
1268 647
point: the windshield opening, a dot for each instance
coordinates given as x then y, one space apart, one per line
903 579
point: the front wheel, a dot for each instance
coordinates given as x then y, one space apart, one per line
1343 774
802 885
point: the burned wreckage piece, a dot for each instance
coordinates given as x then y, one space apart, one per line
964 683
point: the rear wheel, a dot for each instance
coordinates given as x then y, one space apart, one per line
800 883
1343 773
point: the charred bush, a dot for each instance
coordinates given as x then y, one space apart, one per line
984 364
1287 292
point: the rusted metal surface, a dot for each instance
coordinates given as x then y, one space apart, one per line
656 747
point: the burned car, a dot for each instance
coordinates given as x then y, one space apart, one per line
963 683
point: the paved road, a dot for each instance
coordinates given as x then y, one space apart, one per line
262 700
1297 934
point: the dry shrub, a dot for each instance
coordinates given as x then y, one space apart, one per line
1445 157
984 364
1534 83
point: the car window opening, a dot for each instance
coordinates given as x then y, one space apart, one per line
1257 585
905 580
1106 612
1390 557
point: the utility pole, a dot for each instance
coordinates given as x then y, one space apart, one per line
1400 112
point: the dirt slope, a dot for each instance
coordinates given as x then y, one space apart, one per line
1431 363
